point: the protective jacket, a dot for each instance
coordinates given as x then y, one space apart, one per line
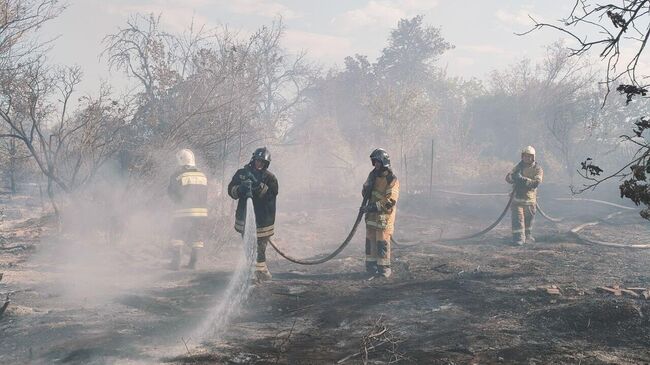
188 189
382 189
526 189
264 197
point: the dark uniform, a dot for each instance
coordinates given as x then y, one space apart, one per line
264 190
189 191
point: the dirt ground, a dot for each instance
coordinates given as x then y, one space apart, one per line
480 301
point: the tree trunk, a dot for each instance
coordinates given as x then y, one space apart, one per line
431 171
12 165
224 181
50 194
406 175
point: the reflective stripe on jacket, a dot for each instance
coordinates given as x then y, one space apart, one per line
263 200
384 194
188 189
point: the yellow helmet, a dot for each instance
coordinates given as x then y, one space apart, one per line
529 150
185 157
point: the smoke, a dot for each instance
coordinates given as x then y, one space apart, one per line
229 303
112 240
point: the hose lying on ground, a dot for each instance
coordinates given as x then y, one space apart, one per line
330 256
396 243
554 220
543 214
597 201
576 233
462 238
471 194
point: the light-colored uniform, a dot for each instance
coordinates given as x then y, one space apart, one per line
381 224
524 203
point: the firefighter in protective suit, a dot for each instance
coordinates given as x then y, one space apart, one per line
255 181
188 190
382 191
525 177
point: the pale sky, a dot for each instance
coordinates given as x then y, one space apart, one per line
481 30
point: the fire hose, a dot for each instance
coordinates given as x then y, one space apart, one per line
356 225
330 256
575 231
484 231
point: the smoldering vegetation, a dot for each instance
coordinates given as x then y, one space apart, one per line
97 166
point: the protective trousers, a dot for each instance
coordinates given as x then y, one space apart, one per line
262 272
377 247
187 231
522 222
261 249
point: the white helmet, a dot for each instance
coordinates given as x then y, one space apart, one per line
529 150
185 157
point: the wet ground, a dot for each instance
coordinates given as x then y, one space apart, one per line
471 302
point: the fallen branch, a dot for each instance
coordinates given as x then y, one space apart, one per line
359 353
186 348
281 347
379 335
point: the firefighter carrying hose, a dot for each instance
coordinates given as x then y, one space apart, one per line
382 191
188 189
526 177
255 181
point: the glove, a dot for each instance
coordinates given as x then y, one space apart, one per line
249 175
520 180
245 189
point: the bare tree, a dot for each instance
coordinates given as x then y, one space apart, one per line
621 35
15 158
36 109
402 113
18 20
211 90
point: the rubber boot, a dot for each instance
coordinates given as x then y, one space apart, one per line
175 263
262 272
384 271
194 258
371 267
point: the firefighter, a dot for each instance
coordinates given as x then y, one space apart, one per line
526 177
381 190
188 189
254 180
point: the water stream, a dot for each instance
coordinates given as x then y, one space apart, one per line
230 302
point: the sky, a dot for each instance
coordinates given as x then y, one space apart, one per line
482 31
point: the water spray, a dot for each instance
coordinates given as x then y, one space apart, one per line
239 286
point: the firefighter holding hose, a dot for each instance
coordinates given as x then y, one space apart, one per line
525 177
255 181
381 190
